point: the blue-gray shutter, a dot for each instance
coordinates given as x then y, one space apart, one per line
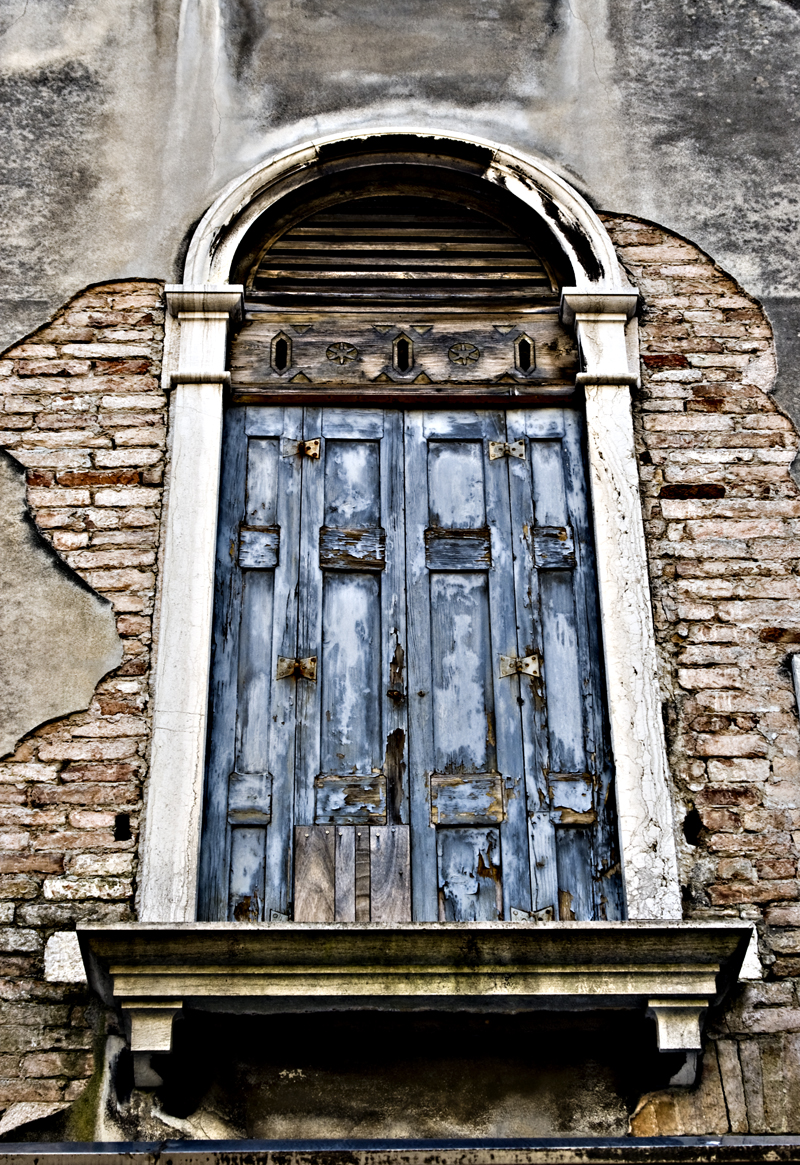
459 760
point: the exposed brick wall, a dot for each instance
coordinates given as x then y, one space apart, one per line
83 410
721 519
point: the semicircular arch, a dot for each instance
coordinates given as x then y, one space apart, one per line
563 213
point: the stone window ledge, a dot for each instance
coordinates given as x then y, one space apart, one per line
675 970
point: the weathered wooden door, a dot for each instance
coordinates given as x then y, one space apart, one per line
406 706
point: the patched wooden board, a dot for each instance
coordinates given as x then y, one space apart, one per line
333 349
249 798
468 549
259 548
390 874
554 547
350 800
344 549
314 878
469 799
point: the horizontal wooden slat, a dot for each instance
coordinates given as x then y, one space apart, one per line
554 547
249 798
458 549
474 799
350 800
259 547
345 549
358 251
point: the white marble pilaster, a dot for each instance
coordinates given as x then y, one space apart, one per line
649 859
174 797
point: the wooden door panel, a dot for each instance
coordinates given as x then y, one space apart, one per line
405 554
462 691
248 808
465 722
350 674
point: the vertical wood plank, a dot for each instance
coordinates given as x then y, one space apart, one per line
309 627
255 671
362 882
506 692
532 709
575 889
562 672
350 673
314 873
420 701
345 894
390 873
544 868
213 891
609 897
394 678
281 710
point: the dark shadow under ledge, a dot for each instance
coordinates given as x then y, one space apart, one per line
675 970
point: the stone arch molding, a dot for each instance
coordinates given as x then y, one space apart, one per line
600 307
574 225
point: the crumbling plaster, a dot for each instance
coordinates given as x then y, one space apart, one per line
126 119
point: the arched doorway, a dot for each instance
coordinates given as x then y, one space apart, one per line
204 312
407 715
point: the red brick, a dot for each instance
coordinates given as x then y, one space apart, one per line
36 863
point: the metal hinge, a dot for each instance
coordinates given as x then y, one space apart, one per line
548 914
510 665
499 449
306 668
300 448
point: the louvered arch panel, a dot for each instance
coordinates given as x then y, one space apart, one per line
399 250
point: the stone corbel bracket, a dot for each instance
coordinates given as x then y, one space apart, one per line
674 971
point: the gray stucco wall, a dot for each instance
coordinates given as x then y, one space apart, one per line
124 119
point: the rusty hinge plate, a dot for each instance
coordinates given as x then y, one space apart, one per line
499 449
511 665
548 914
306 668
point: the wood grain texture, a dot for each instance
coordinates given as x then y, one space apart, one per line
390 873
362 872
458 549
411 725
345 875
554 547
249 798
246 891
544 868
314 873
374 361
213 888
